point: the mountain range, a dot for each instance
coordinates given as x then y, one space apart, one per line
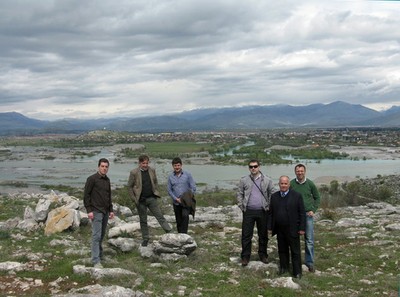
333 115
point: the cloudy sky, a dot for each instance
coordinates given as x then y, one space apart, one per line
92 59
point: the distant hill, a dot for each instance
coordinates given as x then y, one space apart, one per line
336 114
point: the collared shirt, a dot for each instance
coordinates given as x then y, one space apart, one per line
179 184
299 182
97 194
283 194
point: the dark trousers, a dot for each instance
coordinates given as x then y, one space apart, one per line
182 218
150 203
286 242
251 218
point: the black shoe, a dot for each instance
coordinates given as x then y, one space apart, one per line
245 262
145 242
311 269
264 259
297 276
282 271
168 231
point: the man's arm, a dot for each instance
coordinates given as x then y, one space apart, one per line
302 216
170 190
131 183
87 194
316 196
240 194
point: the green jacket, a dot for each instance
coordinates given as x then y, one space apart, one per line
309 192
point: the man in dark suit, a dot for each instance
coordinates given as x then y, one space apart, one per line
287 220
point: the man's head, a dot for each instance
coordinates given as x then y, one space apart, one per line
144 161
284 183
103 165
300 171
254 167
177 164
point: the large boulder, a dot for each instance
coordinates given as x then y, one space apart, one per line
61 219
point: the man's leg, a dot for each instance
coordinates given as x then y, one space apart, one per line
283 249
309 242
154 208
178 217
144 228
96 236
262 232
104 223
185 220
247 233
295 252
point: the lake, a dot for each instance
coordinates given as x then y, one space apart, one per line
36 171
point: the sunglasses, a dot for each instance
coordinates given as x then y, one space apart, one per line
253 166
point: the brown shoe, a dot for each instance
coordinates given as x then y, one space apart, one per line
245 262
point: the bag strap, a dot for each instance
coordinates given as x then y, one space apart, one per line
257 186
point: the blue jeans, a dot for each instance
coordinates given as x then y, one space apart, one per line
309 241
99 225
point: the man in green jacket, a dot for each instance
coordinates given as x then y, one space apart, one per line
311 199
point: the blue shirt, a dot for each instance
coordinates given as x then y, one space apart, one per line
179 184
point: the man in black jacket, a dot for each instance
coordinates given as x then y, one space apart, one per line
287 220
99 207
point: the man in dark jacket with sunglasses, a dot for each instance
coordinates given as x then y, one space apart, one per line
253 198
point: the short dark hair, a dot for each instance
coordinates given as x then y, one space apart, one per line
103 160
254 161
176 160
143 158
300 166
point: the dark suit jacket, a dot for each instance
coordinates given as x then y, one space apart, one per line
295 210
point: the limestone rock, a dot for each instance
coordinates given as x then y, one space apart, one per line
60 219
182 244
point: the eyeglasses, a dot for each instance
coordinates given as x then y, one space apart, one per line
253 166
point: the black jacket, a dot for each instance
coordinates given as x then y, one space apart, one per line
187 200
295 210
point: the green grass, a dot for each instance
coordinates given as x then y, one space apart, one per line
167 150
348 266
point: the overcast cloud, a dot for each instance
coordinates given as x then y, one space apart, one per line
91 59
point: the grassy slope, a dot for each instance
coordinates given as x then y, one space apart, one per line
361 266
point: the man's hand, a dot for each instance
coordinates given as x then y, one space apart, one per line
302 232
310 213
111 215
178 200
90 215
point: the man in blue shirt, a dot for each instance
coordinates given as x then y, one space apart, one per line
180 184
